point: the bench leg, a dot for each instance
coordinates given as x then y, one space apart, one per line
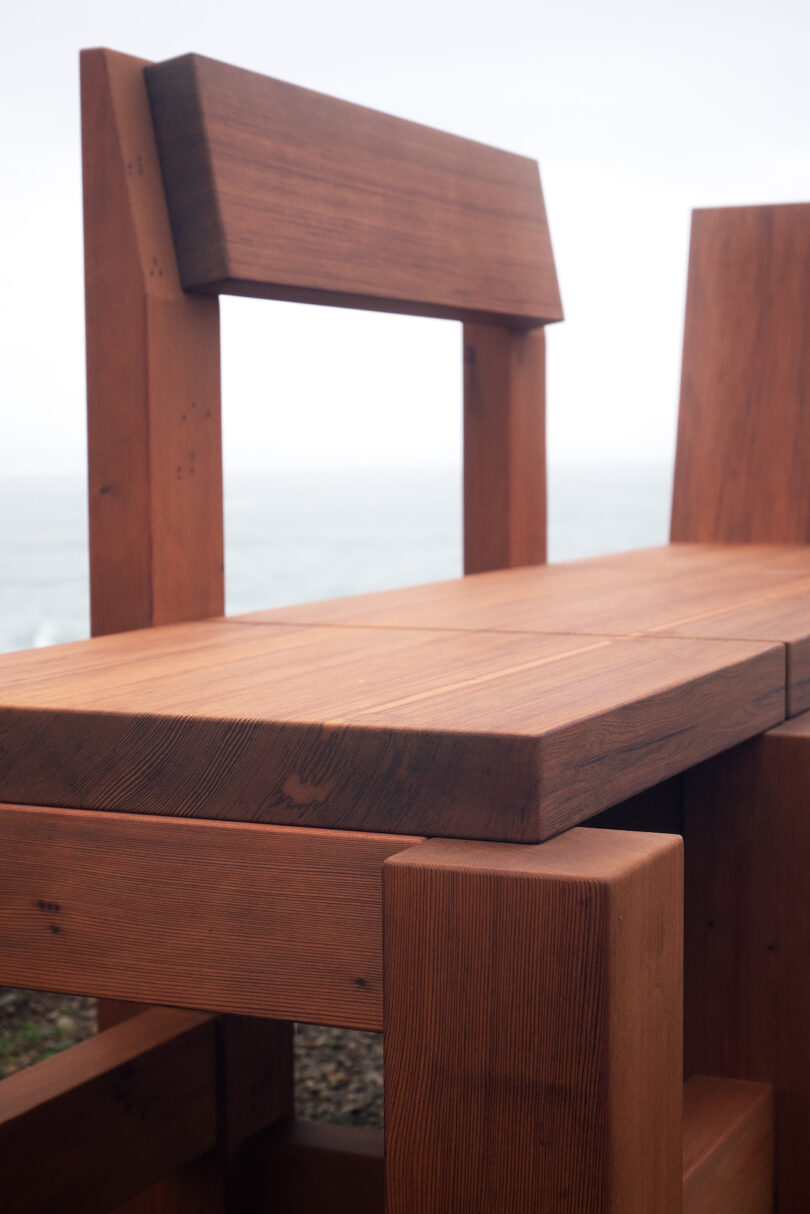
747 1010
533 1025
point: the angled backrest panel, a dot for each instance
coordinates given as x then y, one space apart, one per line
742 471
284 193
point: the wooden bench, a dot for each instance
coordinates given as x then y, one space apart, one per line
408 811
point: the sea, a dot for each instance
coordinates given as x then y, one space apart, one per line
293 536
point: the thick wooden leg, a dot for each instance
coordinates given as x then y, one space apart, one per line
747 840
533 1025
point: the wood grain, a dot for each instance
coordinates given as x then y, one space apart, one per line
263 921
727 1158
747 837
87 1128
155 475
751 592
741 474
278 191
468 734
504 448
532 1025
727 1147
779 615
654 590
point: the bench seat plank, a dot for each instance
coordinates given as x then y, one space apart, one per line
468 734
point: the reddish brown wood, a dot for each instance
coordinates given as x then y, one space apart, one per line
87 1128
745 592
155 475
115 1011
467 734
533 1025
153 378
263 921
278 191
781 614
727 1158
727 1147
254 1078
504 448
654 590
741 472
307 1166
747 837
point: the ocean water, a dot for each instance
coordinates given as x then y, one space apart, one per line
296 536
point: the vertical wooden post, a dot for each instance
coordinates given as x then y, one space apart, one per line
155 494
747 1006
504 447
533 1025
153 378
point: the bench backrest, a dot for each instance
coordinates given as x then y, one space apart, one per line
742 472
202 179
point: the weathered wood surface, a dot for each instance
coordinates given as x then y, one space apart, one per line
727 1147
504 448
747 837
741 472
84 1130
533 1025
465 734
649 590
260 176
153 394
264 921
781 614
745 592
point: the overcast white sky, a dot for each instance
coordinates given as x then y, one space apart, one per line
637 111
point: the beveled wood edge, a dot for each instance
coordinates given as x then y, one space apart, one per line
286 293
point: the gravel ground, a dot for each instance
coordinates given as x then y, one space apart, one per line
338 1072
34 1025
338 1075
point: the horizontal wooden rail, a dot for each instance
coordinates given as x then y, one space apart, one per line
87 1129
227 917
